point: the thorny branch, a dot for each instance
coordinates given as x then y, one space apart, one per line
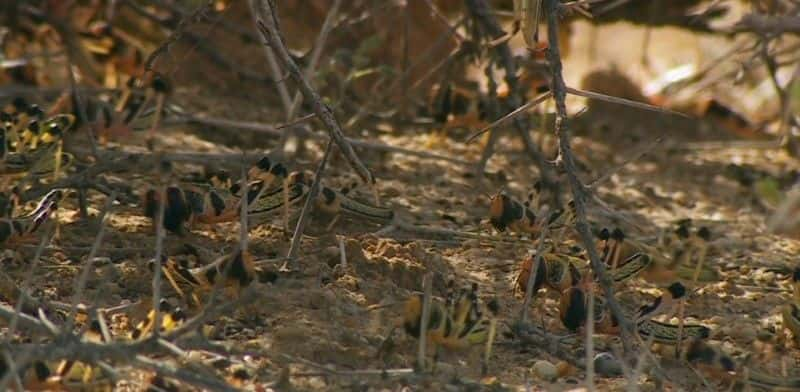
482 13
268 26
579 192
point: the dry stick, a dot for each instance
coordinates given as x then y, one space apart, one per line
579 192
243 229
274 67
316 53
481 12
427 287
784 93
786 115
681 313
90 352
80 283
590 340
267 24
12 369
23 294
187 375
176 34
104 330
514 113
420 58
112 251
268 129
632 158
701 256
330 370
79 108
622 101
444 21
201 44
342 253
767 24
160 234
273 130
307 207
633 384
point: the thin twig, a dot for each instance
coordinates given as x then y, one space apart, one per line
631 158
358 143
160 234
307 207
427 287
27 283
274 67
316 53
622 101
590 339
579 191
514 113
481 12
207 381
243 229
79 108
268 26
80 283
342 253
772 25
177 33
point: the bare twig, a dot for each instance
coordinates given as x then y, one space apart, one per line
514 113
767 24
342 253
80 283
268 26
307 207
79 108
590 339
631 158
243 229
330 370
621 101
176 34
567 160
319 44
160 234
23 291
274 67
480 10
316 53
207 381
427 288
358 143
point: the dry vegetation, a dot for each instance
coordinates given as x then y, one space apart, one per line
355 91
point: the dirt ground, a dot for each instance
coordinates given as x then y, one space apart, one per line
321 313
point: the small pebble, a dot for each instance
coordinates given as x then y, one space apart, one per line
545 370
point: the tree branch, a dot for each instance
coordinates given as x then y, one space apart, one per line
268 26
579 192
